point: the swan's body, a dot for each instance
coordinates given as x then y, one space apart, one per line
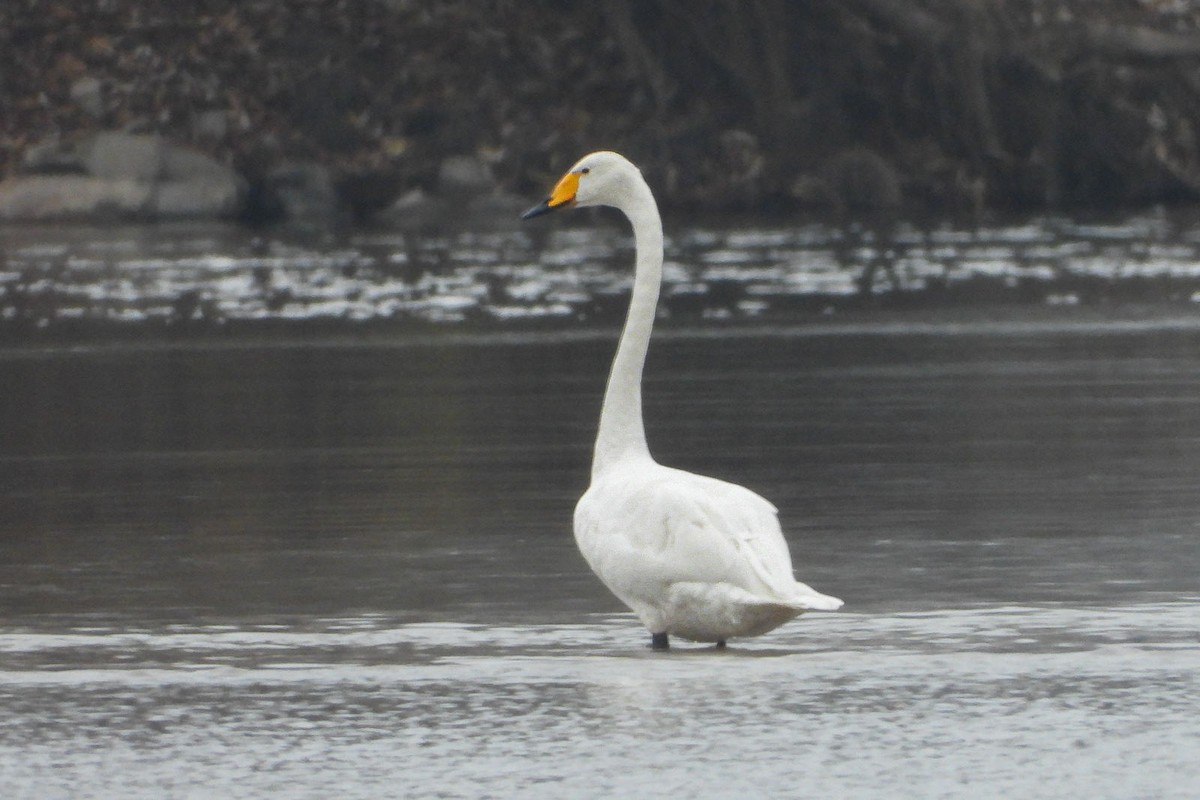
693 556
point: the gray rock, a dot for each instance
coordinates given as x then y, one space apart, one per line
496 211
182 164
52 156
459 175
416 210
136 157
195 198
211 125
306 193
124 175
491 211
52 197
860 179
88 94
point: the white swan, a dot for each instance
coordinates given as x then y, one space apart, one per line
694 557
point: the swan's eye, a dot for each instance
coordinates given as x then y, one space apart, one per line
585 170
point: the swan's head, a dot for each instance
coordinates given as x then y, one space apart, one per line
603 178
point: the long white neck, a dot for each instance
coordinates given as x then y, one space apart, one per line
622 435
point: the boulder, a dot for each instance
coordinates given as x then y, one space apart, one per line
496 211
468 195
305 193
124 155
464 175
860 179
52 156
212 126
41 198
181 164
416 210
88 94
196 198
124 175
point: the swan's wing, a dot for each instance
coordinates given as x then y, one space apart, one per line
743 528
735 524
643 532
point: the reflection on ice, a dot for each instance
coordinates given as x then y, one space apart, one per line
229 275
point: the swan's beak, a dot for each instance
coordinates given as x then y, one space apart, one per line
562 196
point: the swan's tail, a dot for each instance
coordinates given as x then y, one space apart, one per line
810 599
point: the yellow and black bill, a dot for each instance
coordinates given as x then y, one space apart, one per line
563 196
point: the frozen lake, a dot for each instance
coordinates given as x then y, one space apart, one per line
303 567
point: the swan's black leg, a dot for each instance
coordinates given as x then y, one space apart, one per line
720 644
658 641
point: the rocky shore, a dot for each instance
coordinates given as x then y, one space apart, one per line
401 111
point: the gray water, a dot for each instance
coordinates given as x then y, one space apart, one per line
342 567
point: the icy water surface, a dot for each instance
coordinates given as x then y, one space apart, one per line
246 562
553 274
345 569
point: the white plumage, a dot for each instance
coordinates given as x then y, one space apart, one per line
693 556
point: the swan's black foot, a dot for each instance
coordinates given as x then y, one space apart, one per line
658 641
720 644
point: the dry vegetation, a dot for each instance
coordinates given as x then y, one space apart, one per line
732 103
